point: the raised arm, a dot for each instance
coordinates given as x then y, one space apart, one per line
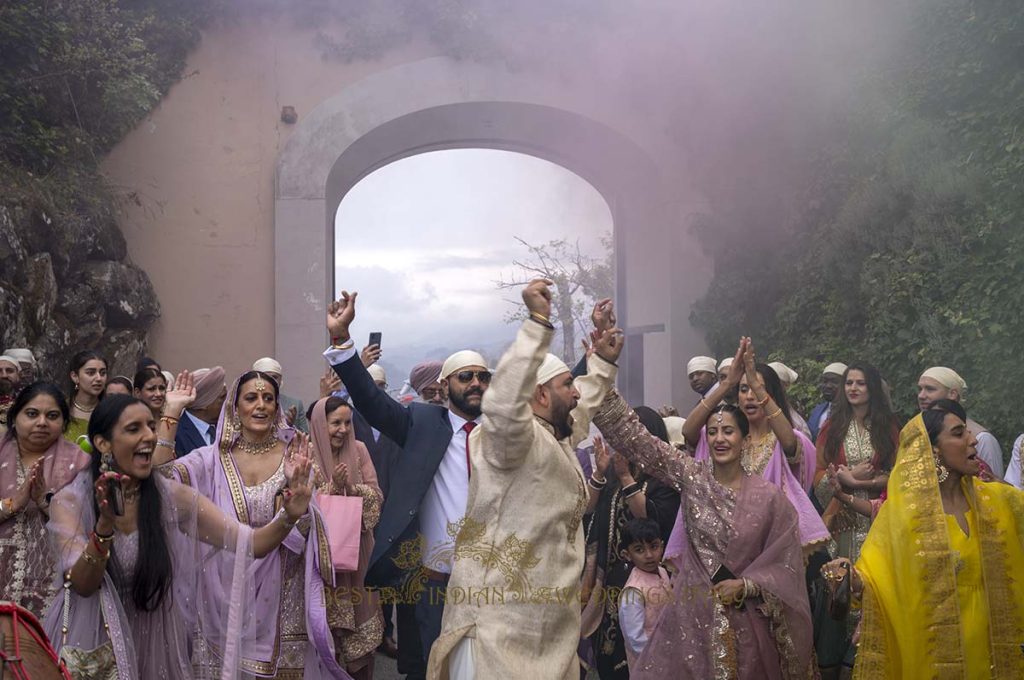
601 369
373 403
180 396
507 421
624 432
702 411
777 420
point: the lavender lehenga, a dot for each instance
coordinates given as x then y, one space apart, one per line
754 534
287 634
105 635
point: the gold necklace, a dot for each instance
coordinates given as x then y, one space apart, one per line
755 456
82 408
256 448
131 493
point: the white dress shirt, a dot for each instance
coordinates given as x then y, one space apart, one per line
445 501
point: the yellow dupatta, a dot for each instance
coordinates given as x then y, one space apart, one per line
912 624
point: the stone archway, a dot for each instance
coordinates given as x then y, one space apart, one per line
437 104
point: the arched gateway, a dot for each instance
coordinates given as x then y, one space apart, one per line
437 104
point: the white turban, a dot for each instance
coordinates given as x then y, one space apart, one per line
785 373
22 355
169 377
377 373
674 425
946 377
11 360
724 364
700 364
551 366
836 367
459 361
267 365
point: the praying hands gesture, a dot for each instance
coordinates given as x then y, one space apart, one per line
32 489
340 315
342 481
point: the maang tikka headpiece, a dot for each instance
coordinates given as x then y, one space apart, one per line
260 384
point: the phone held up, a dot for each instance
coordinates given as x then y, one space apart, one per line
115 496
375 338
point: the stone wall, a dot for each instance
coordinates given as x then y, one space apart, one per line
66 284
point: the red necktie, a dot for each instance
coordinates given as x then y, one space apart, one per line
467 428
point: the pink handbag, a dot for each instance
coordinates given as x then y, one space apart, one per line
343 516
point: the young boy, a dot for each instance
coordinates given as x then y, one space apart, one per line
647 589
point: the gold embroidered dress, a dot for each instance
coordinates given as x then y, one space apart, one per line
515 577
938 602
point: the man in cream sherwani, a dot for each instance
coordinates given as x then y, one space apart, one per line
512 605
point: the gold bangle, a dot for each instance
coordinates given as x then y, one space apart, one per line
170 420
705 405
344 346
537 316
778 412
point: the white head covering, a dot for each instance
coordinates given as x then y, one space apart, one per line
21 355
946 377
267 365
700 364
169 377
724 364
377 373
551 366
786 374
674 425
836 367
459 361
11 360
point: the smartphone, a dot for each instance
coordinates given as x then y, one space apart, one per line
115 496
375 338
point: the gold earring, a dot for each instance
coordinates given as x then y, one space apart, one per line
941 469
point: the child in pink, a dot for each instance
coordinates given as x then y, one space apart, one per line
647 589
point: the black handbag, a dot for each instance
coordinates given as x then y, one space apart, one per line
839 598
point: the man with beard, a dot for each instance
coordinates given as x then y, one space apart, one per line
9 383
513 601
27 362
940 382
831 381
429 481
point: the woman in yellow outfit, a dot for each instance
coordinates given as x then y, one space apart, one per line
941 573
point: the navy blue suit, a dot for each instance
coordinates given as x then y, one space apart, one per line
423 431
187 439
812 421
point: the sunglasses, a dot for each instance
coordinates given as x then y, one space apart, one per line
467 376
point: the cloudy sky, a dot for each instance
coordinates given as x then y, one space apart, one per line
425 239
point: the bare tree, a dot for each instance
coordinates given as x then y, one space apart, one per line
580 280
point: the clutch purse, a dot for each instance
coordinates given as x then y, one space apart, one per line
839 598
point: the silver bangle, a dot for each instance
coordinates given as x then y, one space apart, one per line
287 521
165 442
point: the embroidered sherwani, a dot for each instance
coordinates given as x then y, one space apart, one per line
519 552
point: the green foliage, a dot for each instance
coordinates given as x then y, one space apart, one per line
76 75
908 252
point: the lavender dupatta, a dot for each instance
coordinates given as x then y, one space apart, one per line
211 470
754 533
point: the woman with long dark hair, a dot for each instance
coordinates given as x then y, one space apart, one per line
627 494
857 445
88 375
939 573
243 473
739 603
35 462
148 563
773 449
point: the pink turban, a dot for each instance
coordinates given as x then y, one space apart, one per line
424 375
209 384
